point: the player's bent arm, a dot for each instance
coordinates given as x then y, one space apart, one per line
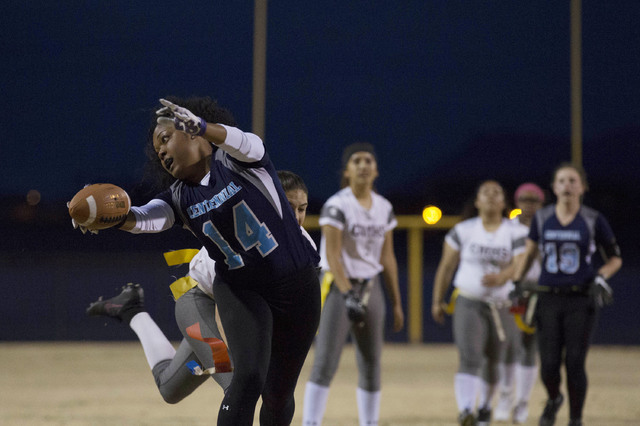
333 240
523 262
390 274
444 275
610 267
155 216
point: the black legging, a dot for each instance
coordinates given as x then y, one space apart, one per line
565 322
269 331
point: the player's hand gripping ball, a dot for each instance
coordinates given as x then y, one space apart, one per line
99 206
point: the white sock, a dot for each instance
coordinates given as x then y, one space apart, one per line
466 388
154 343
486 391
526 379
507 376
368 407
315 402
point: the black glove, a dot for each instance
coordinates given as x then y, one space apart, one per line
518 298
356 311
601 292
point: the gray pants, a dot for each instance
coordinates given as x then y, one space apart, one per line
476 334
333 331
521 347
173 377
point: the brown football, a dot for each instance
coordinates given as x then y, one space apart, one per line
99 206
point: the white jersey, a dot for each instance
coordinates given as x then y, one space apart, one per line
202 268
363 232
483 252
533 274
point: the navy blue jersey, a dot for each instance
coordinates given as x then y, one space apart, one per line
567 250
244 220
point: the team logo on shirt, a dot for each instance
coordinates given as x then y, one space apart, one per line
368 231
501 254
561 235
216 201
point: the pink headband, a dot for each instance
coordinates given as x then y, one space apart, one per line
529 187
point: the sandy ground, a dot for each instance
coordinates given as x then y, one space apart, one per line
111 384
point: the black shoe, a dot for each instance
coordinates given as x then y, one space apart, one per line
548 417
122 307
467 418
575 422
484 417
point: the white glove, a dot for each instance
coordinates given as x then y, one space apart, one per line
84 229
601 291
181 118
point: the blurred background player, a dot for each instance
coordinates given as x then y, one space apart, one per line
170 368
480 251
227 193
570 290
518 370
357 245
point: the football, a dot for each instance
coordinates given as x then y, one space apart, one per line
99 206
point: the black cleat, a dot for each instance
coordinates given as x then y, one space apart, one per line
466 418
484 417
122 307
548 417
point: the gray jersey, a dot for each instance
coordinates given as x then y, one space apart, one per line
363 231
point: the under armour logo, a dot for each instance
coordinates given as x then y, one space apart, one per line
225 407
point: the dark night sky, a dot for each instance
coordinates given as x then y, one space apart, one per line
424 81
449 93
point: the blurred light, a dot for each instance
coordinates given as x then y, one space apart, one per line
431 215
33 197
515 212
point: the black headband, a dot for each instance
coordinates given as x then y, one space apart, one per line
356 147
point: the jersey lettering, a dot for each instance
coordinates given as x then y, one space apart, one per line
249 232
232 259
564 258
216 201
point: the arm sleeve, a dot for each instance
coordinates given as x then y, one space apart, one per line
242 146
520 238
453 239
308 237
155 216
605 238
332 215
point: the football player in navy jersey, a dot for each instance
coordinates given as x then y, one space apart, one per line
201 353
227 193
570 290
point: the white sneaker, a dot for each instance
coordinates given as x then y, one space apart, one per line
503 408
520 412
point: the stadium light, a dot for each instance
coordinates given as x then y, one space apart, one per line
431 215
